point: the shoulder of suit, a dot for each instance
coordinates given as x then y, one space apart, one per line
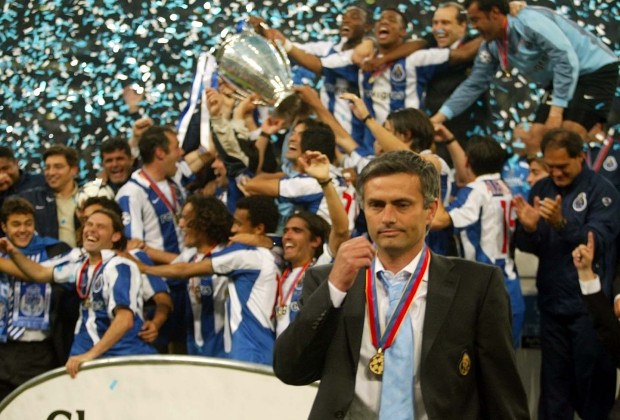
461 264
320 269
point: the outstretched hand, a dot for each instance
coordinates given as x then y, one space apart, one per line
315 164
357 105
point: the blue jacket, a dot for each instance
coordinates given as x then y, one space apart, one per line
590 203
43 200
546 47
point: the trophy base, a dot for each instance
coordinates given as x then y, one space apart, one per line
291 108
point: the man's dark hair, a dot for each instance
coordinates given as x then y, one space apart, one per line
319 138
71 155
406 162
363 10
403 19
461 13
561 138
153 138
104 202
117 226
7 153
485 155
417 123
211 217
261 209
318 227
15 205
487 5
114 144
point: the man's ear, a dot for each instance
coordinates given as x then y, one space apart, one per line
259 229
432 211
159 153
316 242
116 236
495 13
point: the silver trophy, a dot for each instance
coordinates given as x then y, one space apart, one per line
252 64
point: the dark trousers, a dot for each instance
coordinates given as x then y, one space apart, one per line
577 375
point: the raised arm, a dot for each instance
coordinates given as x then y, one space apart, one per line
316 165
467 52
311 97
305 59
459 159
402 51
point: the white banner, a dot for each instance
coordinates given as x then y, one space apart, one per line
159 387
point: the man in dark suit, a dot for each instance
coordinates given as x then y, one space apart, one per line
459 361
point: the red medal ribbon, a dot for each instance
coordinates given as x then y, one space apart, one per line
79 286
502 48
378 72
282 279
385 340
171 206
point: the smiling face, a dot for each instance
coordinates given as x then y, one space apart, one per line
99 234
390 29
353 24
117 166
297 242
395 214
294 143
19 228
563 169
58 173
446 28
10 170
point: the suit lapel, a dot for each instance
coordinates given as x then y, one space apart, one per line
354 312
442 284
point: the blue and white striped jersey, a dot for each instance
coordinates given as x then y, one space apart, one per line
249 330
116 283
206 312
146 215
400 85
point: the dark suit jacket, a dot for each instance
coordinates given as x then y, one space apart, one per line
467 310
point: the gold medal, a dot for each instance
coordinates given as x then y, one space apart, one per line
87 303
464 364
196 291
282 310
376 363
